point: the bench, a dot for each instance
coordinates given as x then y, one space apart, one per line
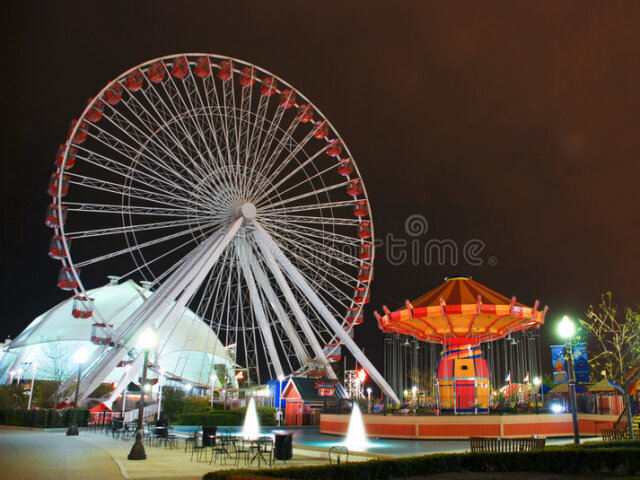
497 444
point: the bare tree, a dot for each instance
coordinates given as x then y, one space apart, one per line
58 364
614 341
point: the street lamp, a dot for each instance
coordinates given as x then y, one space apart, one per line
280 380
146 341
19 371
369 399
160 385
12 374
79 357
566 330
33 382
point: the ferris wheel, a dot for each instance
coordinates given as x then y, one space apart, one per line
225 191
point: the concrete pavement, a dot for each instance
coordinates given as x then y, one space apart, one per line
48 455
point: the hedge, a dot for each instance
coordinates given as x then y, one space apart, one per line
227 418
41 418
552 460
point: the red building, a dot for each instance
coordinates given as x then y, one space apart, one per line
307 398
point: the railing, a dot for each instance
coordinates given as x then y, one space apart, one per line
491 444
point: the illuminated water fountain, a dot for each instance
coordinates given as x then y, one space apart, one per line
356 439
250 429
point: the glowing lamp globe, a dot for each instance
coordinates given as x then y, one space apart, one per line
566 328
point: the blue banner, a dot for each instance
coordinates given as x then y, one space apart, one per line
581 363
558 364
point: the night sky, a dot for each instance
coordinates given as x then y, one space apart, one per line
512 123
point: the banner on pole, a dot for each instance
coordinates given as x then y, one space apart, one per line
581 362
559 365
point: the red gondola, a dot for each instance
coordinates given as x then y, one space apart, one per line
360 296
71 157
360 208
56 247
180 67
52 219
364 273
335 148
225 70
354 189
248 77
114 94
133 83
55 185
81 133
354 318
268 87
157 72
82 307
203 69
305 113
322 130
364 230
95 112
333 352
66 279
101 333
287 98
365 252
346 167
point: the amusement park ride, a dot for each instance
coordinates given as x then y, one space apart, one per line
461 314
229 193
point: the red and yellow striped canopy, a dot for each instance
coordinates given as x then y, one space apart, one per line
461 312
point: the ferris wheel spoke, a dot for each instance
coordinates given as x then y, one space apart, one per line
153 137
190 93
313 220
299 168
310 207
142 147
311 244
312 267
114 188
135 247
286 141
121 229
316 232
185 141
127 209
311 193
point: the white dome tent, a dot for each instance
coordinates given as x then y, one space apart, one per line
190 352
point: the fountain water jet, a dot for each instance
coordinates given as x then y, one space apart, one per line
250 429
356 439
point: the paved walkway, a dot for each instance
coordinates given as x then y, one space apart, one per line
35 454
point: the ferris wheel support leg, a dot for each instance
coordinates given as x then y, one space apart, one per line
263 243
125 379
163 307
265 286
256 303
305 288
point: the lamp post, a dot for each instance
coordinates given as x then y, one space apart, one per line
33 382
414 397
160 384
280 380
19 372
212 385
567 329
12 374
146 341
368 399
79 357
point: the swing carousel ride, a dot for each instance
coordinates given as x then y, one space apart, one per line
460 315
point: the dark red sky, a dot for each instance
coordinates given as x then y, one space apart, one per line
515 123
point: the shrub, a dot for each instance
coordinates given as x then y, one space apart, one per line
552 460
218 419
195 405
49 418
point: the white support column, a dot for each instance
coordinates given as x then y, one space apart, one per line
256 303
305 288
265 286
293 304
163 307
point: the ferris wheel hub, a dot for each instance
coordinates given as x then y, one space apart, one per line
248 211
